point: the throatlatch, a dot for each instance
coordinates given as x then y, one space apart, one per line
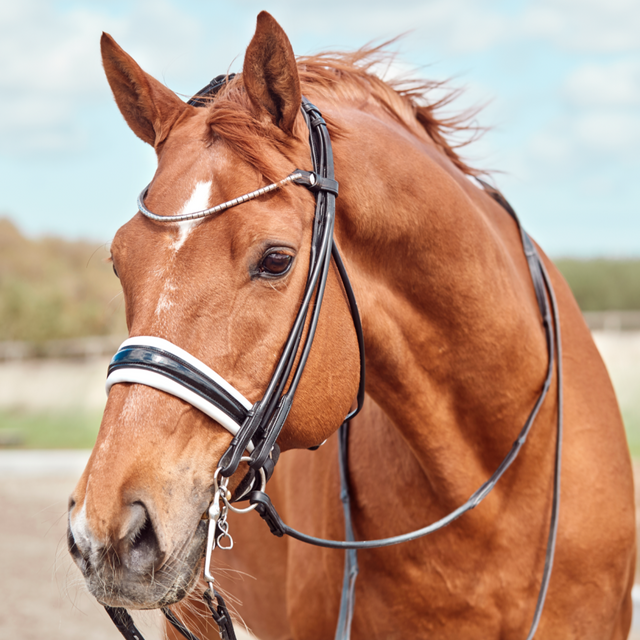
255 428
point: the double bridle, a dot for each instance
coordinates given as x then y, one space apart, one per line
160 364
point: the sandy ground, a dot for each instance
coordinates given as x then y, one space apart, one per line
41 591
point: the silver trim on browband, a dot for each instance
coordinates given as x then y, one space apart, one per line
162 383
219 207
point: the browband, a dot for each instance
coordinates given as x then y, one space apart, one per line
160 364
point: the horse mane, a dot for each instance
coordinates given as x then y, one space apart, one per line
341 77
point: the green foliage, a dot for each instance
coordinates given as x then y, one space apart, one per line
51 288
631 419
49 430
602 284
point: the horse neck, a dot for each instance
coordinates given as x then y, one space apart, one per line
455 349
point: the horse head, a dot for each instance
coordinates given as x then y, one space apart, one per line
226 289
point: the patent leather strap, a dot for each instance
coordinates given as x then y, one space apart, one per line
160 364
124 623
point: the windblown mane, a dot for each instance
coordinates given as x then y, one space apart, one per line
341 77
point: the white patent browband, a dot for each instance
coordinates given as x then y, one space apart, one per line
162 383
218 208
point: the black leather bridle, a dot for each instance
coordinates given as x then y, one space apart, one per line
258 426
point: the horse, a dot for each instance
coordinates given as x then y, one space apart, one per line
455 358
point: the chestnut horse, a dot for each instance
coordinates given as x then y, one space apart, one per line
455 354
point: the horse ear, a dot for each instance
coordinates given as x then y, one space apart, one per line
270 74
149 108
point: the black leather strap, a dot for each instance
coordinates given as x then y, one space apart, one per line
276 524
266 420
177 624
124 623
351 569
316 183
200 98
220 614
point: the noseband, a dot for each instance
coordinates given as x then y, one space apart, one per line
160 364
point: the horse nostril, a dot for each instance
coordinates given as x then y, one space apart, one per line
141 550
71 544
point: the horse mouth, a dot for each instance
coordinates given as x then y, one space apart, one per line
116 584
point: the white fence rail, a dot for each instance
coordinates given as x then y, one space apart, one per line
613 320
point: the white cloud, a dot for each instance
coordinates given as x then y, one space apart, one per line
601 118
458 26
584 25
51 67
552 149
615 84
468 26
587 143
608 131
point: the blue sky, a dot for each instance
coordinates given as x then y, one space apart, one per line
560 78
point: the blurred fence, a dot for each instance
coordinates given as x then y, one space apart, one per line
76 348
613 320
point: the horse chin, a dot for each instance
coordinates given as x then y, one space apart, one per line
114 586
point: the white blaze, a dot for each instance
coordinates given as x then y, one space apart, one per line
198 201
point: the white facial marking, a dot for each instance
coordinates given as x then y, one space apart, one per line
81 532
198 201
164 301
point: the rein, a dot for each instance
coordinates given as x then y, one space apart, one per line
160 364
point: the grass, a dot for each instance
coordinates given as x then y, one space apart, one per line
632 426
601 284
52 289
50 430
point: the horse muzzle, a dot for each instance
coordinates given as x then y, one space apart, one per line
133 569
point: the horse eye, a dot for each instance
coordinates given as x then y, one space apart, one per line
276 263
115 270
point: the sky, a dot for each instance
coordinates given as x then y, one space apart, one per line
559 81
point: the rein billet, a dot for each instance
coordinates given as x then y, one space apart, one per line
255 428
